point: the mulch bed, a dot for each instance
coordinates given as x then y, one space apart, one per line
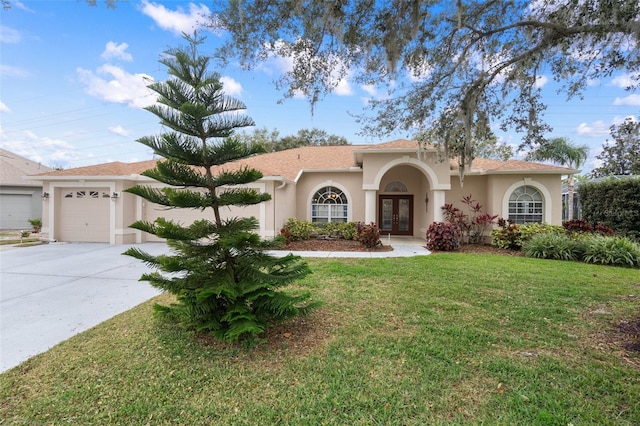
351 245
333 245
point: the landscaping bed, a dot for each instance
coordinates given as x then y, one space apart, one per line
333 244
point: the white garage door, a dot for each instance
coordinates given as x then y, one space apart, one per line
83 215
15 209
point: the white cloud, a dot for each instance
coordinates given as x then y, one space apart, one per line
9 35
595 129
44 150
116 51
343 88
619 120
541 80
276 63
631 100
231 86
4 108
19 5
623 80
370 89
179 20
118 86
9 71
119 130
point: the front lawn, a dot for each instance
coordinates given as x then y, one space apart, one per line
445 339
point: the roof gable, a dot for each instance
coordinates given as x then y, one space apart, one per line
14 167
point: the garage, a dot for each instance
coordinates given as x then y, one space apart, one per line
84 215
15 209
184 217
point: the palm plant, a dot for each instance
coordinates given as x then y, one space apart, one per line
562 151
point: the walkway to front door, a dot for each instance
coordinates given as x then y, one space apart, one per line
395 214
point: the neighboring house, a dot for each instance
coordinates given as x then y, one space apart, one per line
20 198
398 185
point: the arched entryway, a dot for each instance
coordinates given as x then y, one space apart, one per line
402 195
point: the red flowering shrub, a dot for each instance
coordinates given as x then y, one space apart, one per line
443 236
368 234
603 229
580 226
473 225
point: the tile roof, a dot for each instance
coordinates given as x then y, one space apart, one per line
115 168
496 166
396 144
14 167
288 164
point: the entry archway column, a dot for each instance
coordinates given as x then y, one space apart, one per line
438 201
370 205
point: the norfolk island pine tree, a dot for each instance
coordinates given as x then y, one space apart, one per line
224 281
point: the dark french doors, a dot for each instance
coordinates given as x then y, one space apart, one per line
395 214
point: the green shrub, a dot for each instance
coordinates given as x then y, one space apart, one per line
36 223
621 251
529 230
552 246
298 230
344 230
368 234
347 230
614 203
513 237
443 236
507 236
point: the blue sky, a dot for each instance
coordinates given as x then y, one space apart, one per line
72 85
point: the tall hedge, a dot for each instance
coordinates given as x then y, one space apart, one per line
613 202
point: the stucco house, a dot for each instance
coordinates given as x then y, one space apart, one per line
399 185
20 198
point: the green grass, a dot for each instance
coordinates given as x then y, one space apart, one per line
444 339
19 241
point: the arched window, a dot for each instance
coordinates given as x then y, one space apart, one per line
526 205
329 204
396 186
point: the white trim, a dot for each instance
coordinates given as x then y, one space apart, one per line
334 184
546 197
77 178
370 200
434 183
82 184
353 169
139 206
439 199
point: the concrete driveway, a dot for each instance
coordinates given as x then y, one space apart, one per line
51 292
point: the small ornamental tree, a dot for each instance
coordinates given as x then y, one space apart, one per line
224 282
